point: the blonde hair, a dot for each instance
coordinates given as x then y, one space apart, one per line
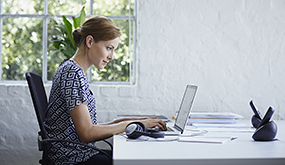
99 27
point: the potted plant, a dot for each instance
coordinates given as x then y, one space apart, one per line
64 42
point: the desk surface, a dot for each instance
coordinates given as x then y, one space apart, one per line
243 150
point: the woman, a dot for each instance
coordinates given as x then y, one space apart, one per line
71 112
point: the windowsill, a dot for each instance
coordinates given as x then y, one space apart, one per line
49 83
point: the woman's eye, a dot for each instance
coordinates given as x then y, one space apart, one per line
109 48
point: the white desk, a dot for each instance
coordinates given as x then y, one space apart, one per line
241 151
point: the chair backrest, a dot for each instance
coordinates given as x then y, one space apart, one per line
39 98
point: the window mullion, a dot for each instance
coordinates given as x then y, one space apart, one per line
89 73
1 25
91 7
133 64
45 40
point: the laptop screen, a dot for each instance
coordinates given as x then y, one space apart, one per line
185 107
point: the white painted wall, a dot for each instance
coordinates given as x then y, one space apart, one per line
232 49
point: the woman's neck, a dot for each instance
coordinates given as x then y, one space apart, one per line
80 58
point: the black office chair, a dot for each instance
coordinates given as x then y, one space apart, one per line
39 98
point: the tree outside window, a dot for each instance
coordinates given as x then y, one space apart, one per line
27 27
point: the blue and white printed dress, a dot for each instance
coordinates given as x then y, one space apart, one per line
69 89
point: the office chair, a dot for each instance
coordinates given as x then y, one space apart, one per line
39 99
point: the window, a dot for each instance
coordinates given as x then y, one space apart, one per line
27 27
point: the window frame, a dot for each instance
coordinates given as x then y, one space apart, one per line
45 16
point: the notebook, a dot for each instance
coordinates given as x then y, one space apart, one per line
183 112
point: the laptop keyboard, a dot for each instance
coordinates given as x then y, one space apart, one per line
169 129
157 129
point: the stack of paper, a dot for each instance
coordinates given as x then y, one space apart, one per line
213 118
235 127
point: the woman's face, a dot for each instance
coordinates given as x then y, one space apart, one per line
102 52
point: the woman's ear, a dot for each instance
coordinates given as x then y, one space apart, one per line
89 41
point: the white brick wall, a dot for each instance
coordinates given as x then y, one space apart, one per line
232 49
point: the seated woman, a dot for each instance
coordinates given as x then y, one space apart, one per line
71 112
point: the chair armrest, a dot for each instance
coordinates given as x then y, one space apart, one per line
111 146
69 141
41 141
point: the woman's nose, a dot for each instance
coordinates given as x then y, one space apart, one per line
111 56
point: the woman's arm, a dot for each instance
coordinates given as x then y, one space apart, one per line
127 119
88 132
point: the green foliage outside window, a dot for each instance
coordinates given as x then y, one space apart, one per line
22 37
63 42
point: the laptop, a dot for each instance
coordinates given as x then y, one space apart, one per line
183 112
182 115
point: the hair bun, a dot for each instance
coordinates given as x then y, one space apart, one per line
77 37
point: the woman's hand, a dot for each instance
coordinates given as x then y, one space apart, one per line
149 122
127 119
153 122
